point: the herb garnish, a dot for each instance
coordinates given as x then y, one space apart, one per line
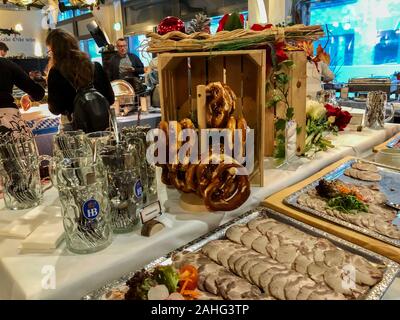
347 204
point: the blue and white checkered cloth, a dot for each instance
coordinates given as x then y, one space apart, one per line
44 126
394 142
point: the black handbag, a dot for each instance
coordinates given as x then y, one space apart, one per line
91 110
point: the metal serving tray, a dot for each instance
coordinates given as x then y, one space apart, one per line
376 293
389 185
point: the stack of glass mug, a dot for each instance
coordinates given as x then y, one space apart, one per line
102 185
19 170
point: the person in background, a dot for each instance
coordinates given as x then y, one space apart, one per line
317 75
11 122
125 65
3 50
70 70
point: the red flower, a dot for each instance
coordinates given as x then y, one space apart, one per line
343 118
280 52
259 27
331 110
222 22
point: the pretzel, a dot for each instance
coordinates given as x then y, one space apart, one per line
187 124
220 104
227 190
163 125
177 176
217 182
242 125
165 175
204 173
191 177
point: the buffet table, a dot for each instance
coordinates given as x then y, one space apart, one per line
26 275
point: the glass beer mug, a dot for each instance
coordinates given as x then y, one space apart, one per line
85 206
19 167
377 103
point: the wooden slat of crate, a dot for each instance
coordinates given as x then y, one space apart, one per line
215 69
234 79
275 202
298 95
252 95
182 99
198 75
165 77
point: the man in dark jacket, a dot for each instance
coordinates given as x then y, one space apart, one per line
125 65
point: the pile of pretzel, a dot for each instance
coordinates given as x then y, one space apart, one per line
215 180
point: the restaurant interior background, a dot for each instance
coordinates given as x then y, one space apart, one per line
363 36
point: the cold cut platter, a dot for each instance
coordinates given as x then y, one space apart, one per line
359 195
265 255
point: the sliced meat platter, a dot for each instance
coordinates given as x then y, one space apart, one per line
267 256
356 195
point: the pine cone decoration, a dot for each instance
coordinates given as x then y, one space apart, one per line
200 24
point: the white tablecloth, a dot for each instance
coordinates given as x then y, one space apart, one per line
25 276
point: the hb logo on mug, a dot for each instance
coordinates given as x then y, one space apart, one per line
91 209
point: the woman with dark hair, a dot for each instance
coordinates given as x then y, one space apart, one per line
70 70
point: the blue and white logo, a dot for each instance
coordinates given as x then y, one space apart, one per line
91 209
138 189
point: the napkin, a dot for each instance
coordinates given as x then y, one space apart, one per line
22 227
46 237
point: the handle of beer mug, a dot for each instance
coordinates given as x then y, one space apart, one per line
392 112
49 159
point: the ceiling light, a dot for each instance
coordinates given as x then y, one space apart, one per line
18 27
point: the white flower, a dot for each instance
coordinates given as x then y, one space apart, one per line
315 110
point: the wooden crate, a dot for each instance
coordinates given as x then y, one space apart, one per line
297 99
244 71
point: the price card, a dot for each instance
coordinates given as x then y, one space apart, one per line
150 212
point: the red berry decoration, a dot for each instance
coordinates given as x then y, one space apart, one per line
169 24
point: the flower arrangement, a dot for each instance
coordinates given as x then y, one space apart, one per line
339 118
320 120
